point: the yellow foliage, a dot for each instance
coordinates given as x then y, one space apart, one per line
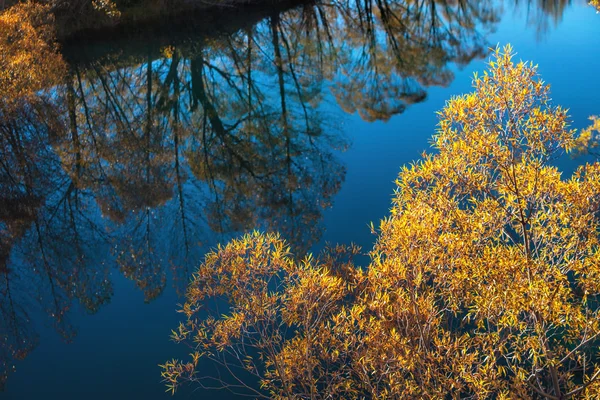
29 59
107 7
587 141
596 4
483 283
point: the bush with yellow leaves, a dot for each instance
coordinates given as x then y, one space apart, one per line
484 281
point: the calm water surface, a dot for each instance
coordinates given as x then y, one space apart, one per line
160 145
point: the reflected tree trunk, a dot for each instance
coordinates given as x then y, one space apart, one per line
274 21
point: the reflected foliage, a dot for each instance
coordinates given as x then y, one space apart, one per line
389 52
545 14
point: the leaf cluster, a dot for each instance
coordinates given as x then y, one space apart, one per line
29 59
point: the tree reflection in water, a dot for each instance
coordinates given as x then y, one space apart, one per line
139 160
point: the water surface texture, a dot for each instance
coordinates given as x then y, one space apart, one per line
162 141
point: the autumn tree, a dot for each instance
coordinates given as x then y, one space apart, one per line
483 282
29 59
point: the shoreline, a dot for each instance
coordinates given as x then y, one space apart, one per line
152 21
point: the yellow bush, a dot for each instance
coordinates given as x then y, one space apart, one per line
483 283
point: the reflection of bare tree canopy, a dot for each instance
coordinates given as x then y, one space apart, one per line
18 206
390 51
47 243
136 161
543 14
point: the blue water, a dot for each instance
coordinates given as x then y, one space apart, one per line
115 351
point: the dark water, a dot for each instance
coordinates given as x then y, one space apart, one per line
157 146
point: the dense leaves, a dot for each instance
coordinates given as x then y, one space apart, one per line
29 59
587 141
483 283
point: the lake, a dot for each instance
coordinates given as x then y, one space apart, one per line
163 140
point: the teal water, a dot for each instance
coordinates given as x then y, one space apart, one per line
159 144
